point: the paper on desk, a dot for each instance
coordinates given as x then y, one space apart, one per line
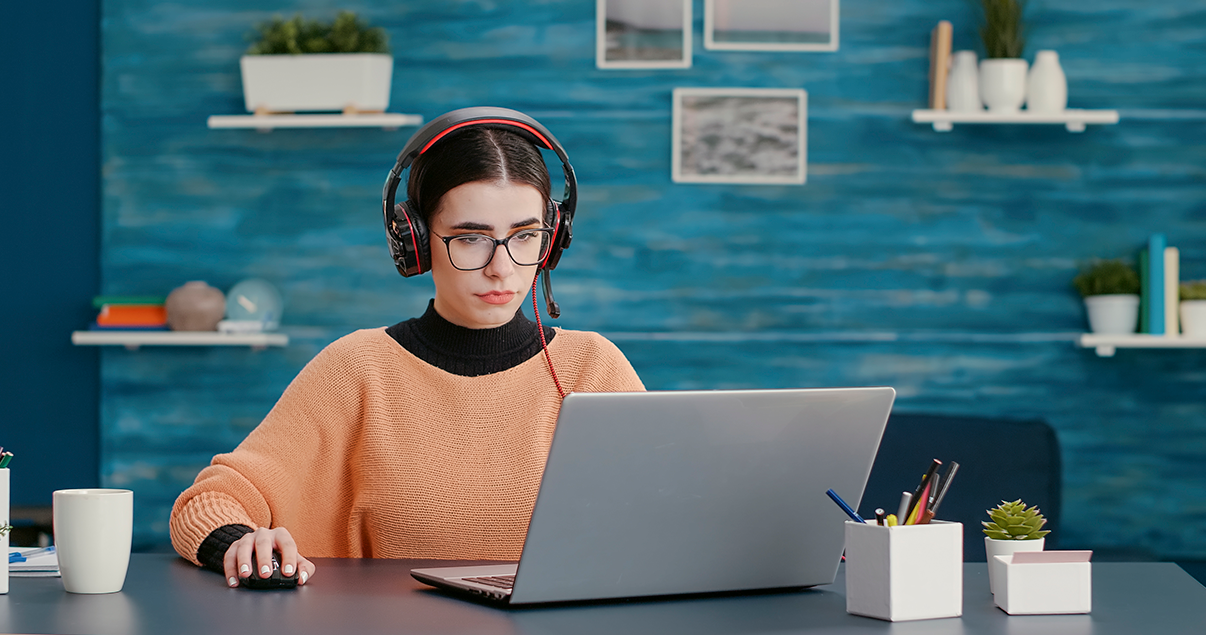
42 565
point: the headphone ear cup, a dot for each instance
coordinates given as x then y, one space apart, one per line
408 243
564 224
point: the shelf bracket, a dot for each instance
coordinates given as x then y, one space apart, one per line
943 126
1105 351
1077 126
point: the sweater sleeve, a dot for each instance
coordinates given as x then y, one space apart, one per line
276 476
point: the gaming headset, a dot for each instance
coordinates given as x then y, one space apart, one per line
405 228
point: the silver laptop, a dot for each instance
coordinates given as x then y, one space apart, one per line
678 492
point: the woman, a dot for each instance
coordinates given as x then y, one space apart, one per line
426 439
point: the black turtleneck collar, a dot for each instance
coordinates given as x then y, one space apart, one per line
469 352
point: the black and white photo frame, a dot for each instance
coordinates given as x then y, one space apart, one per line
643 34
771 25
740 135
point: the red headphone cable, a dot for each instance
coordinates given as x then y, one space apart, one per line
544 343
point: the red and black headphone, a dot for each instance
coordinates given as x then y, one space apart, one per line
405 230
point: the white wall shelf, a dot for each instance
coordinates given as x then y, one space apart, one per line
1106 344
266 123
134 339
1073 119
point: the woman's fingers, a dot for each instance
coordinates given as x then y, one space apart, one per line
238 563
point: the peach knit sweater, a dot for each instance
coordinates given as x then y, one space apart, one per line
371 452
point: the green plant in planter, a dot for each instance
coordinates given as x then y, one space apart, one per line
1014 521
1002 31
1107 277
5 529
1193 290
298 36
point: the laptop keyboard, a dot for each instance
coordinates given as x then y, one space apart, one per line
497 581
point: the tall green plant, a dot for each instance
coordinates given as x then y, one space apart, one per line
1002 32
298 36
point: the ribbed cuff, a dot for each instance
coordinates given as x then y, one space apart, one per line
212 552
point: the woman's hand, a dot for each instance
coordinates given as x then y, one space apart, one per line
263 542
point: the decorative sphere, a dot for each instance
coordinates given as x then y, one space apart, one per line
256 300
194 306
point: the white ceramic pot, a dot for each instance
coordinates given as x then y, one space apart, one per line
994 547
1114 314
1193 318
1003 84
963 85
316 82
1046 85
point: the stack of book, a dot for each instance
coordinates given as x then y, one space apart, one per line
1159 284
130 312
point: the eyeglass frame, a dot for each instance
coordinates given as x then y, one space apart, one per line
493 250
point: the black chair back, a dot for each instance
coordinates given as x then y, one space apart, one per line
999 459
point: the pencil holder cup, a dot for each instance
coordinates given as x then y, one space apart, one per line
3 532
910 572
1045 582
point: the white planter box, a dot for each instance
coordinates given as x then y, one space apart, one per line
316 82
1046 582
903 573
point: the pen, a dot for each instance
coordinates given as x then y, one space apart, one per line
905 497
4 459
946 483
879 516
917 494
846 508
891 520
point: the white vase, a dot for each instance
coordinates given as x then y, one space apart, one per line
963 84
1193 318
1003 84
994 547
1046 85
1114 314
316 81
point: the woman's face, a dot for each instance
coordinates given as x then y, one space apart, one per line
490 296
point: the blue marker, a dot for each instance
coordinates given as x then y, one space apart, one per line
846 508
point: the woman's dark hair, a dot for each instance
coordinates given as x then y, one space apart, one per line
476 154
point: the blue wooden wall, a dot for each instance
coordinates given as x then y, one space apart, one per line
936 263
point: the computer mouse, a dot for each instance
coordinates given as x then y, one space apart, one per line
277 580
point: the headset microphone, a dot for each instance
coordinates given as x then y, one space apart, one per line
549 303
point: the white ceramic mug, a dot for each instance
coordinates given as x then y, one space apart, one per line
92 534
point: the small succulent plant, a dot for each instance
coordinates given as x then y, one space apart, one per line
1106 277
5 529
1014 521
1193 290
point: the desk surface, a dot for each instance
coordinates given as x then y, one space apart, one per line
164 594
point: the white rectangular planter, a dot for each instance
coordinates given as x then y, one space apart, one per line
1046 582
316 82
912 572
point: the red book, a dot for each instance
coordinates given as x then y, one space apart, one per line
132 315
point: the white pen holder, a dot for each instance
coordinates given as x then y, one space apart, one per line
4 523
912 572
1045 583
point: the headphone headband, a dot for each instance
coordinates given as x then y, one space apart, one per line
407 233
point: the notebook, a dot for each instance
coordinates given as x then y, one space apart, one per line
686 492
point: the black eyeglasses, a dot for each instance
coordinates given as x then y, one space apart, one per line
470 252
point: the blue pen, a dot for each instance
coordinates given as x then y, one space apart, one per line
846 508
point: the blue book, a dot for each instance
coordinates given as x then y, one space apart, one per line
1155 284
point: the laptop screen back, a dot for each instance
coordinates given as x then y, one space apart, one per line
698 491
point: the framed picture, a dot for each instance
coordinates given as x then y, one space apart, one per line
771 25
643 34
739 135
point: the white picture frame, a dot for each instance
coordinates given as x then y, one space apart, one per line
642 34
771 25
740 135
